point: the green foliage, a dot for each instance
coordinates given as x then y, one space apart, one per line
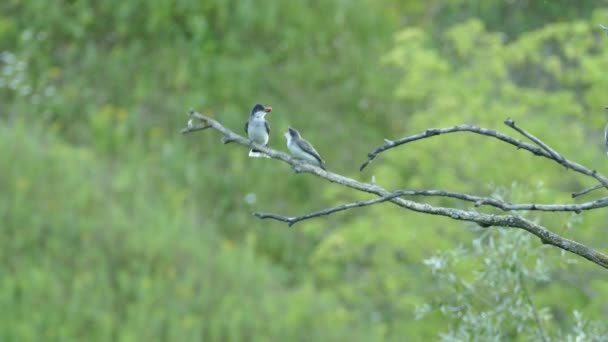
116 228
119 254
483 290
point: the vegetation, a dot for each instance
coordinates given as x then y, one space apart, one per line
115 227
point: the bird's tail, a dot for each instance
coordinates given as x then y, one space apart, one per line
257 154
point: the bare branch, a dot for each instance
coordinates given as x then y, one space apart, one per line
513 221
477 200
191 126
293 220
484 220
558 157
194 129
543 151
431 132
586 191
506 206
554 155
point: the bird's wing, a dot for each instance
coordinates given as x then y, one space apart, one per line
307 147
247 127
606 135
267 126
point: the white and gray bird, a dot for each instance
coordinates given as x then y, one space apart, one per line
258 129
302 149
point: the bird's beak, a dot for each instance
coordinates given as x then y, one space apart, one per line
268 109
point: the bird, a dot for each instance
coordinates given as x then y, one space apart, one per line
302 149
258 129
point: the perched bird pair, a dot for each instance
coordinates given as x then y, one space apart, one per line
258 130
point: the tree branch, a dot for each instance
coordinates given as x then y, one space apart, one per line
543 151
293 220
477 200
586 191
484 220
506 206
558 157
431 132
554 155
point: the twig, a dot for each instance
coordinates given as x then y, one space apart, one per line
194 129
558 157
485 220
191 126
554 155
586 191
295 219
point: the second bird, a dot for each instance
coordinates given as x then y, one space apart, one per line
258 129
302 149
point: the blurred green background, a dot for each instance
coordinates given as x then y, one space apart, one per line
116 227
